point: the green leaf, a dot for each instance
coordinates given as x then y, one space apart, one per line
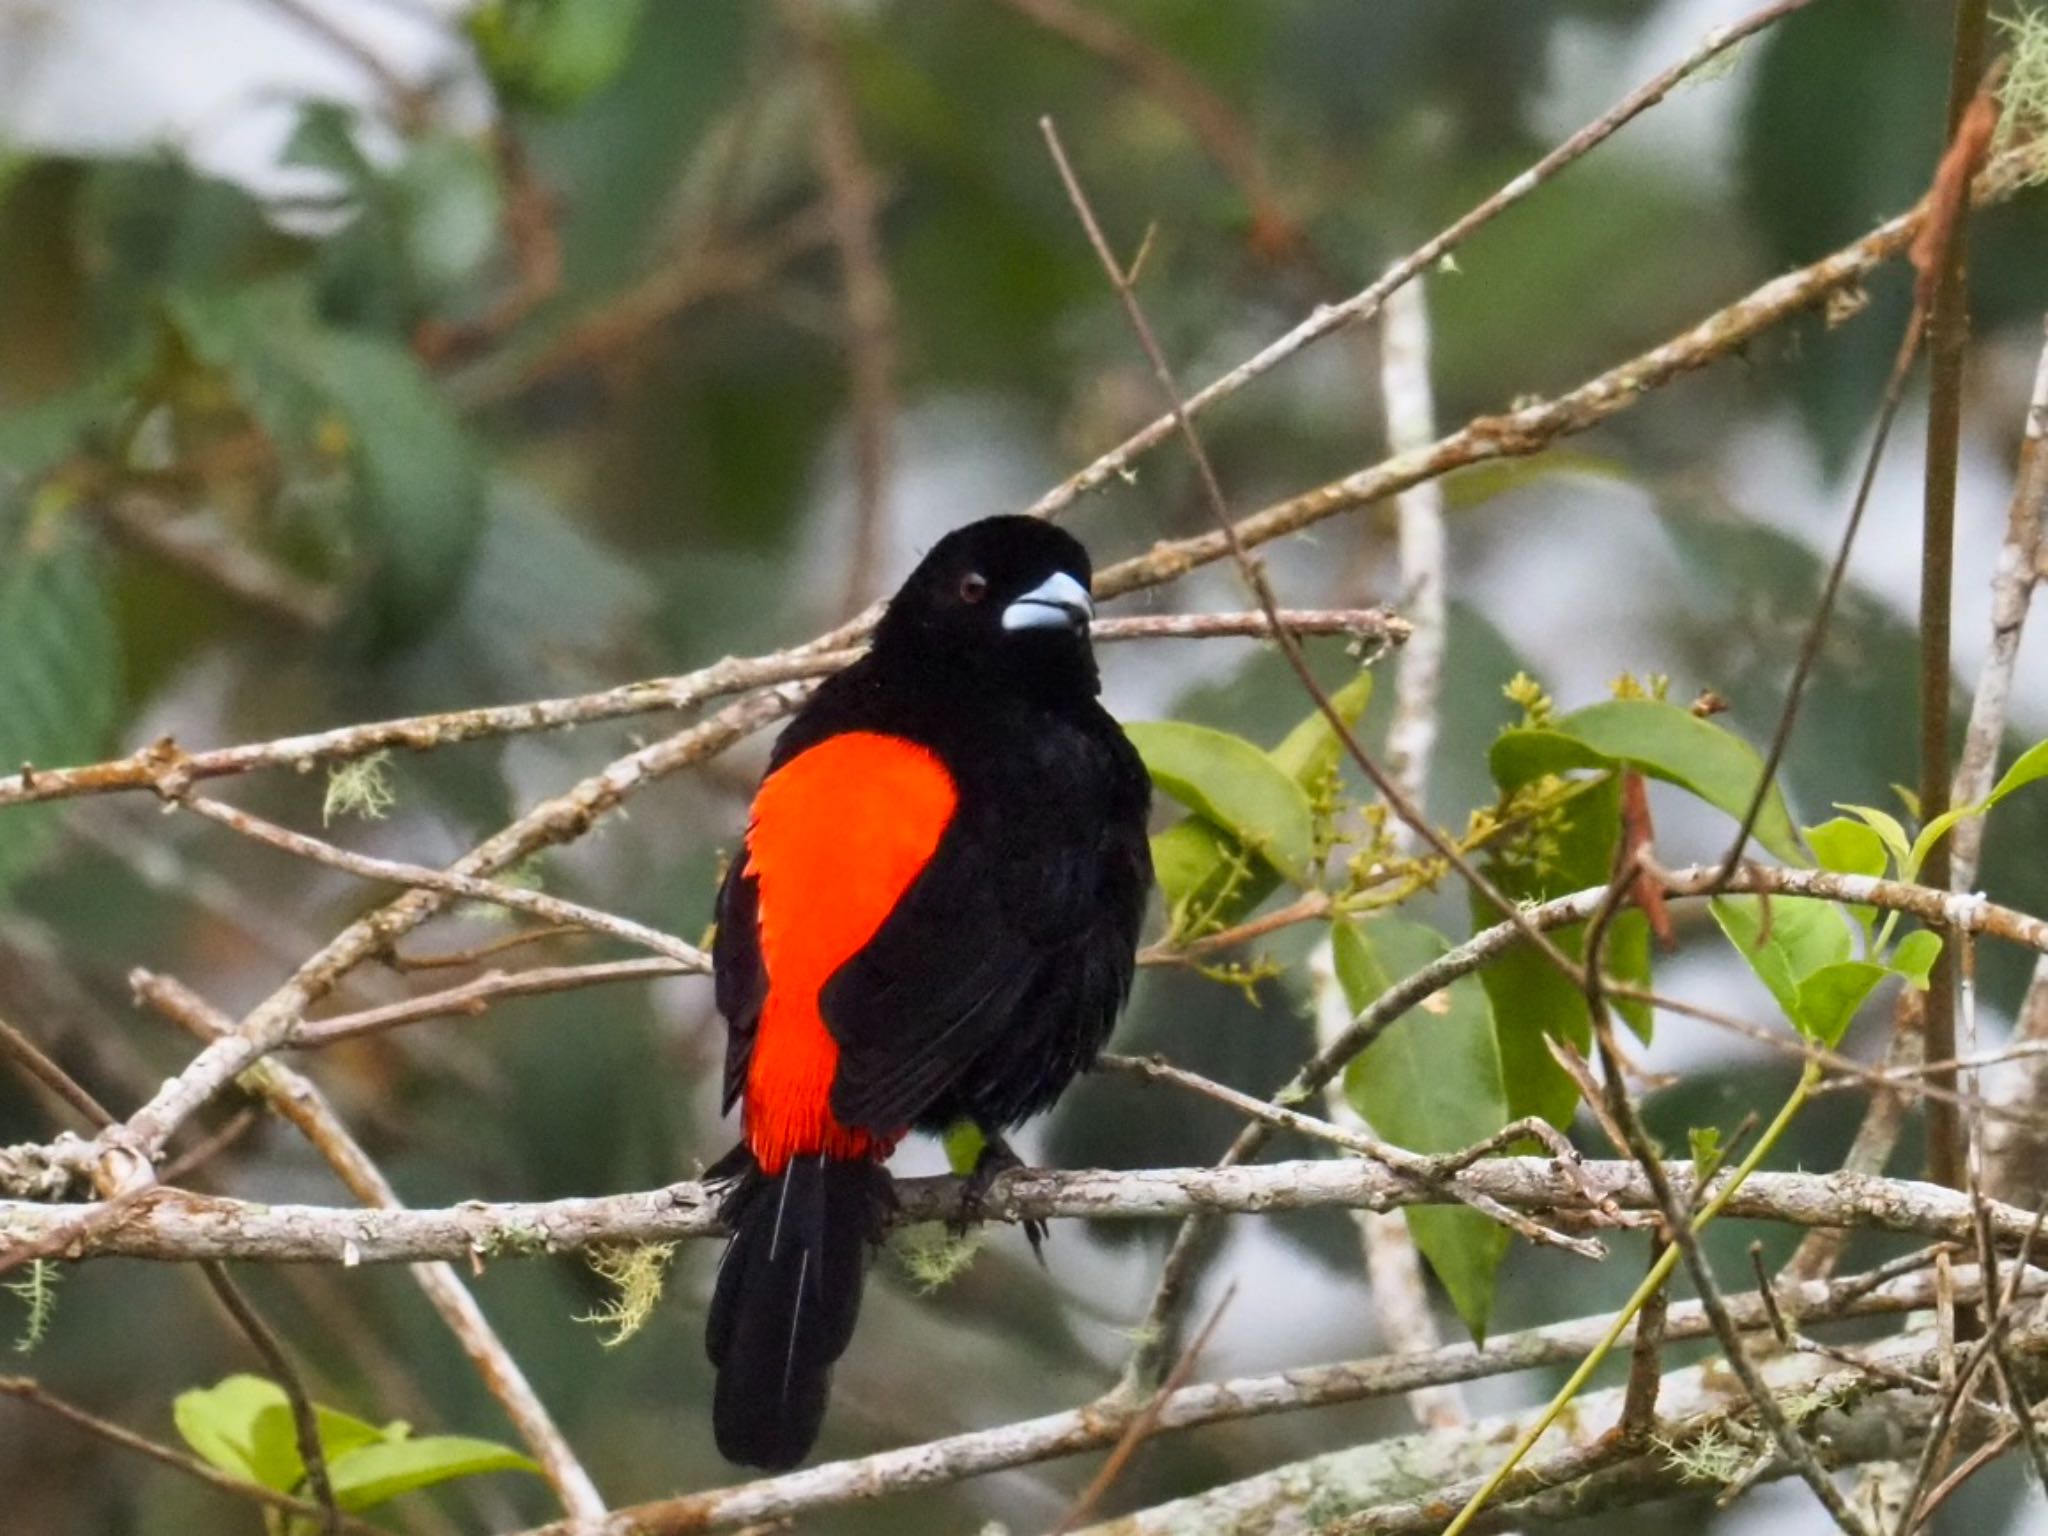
1431 1083
1533 1001
274 1441
369 1475
1887 827
219 1423
1847 847
1828 999
1312 749
1663 741
1915 956
1205 873
1200 876
1707 1151
2030 765
1850 847
1233 785
1801 938
60 669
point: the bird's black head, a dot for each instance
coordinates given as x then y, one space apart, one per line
1004 600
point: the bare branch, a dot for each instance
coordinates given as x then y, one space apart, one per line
168 770
516 898
177 1225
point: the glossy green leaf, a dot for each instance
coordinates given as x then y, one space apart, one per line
219 1422
1433 1083
1663 741
1205 872
1800 950
274 1440
1233 785
60 668
1785 942
369 1475
1888 829
1914 956
1826 1001
1847 847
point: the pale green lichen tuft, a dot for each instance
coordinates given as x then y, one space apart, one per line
361 789
37 1290
636 1275
933 1256
1712 1457
2024 95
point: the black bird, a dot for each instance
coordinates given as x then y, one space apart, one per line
934 919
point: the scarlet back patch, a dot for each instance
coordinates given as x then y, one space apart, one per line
838 834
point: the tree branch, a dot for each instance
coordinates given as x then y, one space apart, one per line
175 1225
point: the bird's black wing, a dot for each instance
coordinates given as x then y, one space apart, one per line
1014 942
739 978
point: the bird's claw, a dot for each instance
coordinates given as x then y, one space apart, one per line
997 1159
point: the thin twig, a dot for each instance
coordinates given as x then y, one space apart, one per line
517 898
1145 1420
167 770
1415 1165
475 997
853 200
305 1423
37 1067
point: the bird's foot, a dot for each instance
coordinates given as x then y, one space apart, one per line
997 1159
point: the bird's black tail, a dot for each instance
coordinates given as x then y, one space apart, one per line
787 1294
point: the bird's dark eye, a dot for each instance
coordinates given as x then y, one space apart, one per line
973 587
